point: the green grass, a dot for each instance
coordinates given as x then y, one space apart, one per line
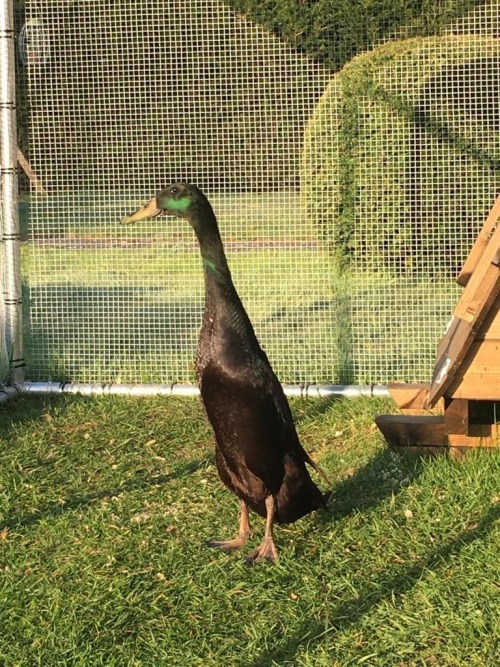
130 309
105 505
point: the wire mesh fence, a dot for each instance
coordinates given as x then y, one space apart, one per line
347 200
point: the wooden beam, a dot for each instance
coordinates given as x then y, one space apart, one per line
475 387
490 328
478 377
472 441
451 351
480 245
456 416
34 180
410 397
426 433
481 292
417 430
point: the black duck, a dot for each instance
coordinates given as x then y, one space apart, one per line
258 453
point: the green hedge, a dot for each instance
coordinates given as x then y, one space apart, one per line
133 90
334 31
402 155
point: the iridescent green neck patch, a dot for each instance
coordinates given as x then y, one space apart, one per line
210 265
179 205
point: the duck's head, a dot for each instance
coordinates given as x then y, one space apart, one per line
180 199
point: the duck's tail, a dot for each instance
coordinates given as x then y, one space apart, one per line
320 472
298 494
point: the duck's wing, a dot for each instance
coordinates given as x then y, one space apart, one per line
248 431
262 378
290 437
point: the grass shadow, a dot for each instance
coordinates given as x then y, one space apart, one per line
22 409
372 484
136 324
53 510
304 409
402 580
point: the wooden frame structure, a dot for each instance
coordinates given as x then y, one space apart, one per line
460 408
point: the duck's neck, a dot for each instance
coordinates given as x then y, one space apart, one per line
214 259
218 280
222 301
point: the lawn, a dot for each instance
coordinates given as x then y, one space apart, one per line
105 505
109 303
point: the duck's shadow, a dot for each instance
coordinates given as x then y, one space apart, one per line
385 475
397 580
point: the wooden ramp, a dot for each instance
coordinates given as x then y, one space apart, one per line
466 378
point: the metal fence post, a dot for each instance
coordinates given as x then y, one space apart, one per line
12 288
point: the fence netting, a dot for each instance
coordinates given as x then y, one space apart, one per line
346 209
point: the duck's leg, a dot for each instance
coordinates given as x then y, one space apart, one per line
267 549
244 533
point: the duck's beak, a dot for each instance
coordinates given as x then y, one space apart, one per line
150 210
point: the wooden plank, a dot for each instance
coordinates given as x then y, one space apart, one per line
485 371
490 328
412 396
456 416
472 441
405 430
448 335
428 431
480 299
481 292
484 355
475 387
484 436
480 245
451 351
482 282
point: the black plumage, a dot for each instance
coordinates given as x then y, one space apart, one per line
258 453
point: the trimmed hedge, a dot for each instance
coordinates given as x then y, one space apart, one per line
402 155
334 31
147 90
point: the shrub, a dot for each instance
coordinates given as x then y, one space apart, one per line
134 91
402 157
334 31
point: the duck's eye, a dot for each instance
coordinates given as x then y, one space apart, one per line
174 190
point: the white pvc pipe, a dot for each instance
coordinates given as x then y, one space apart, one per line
179 389
9 392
